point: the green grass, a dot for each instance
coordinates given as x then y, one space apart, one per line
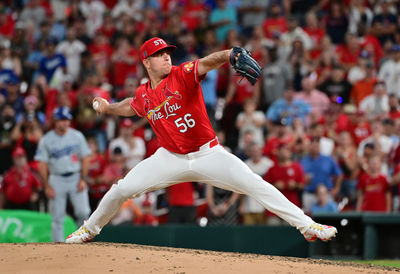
392 263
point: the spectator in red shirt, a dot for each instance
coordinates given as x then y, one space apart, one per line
275 23
349 52
373 189
286 175
394 110
101 52
396 178
116 169
147 217
97 163
316 32
359 126
279 133
181 204
193 11
6 24
20 186
124 61
108 27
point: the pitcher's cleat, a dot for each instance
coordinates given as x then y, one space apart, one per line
82 235
323 232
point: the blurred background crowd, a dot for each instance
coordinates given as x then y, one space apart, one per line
322 124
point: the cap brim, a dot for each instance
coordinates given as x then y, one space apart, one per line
170 48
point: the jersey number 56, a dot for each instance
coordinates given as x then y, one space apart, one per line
184 123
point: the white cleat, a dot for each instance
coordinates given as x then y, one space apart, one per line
318 231
82 235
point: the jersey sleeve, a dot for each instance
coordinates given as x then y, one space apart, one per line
188 71
42 154
137 103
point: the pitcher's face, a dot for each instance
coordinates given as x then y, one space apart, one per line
159 63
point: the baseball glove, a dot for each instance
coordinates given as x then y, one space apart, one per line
245 65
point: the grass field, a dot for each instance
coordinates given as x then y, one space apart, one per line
392 263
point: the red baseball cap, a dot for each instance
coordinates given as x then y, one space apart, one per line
146 203
126 123
18 151
153 45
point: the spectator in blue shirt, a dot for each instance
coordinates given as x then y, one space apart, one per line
52 61
319 169
224 19
12 95
7 76
33 61
209 88
324 203
288 108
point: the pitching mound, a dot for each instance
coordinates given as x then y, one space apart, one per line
127 258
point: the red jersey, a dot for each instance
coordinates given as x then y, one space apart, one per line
374 190
96 167
18 186
286 174
181 194
359 132
347 57
123 70
176 110
271 25
244 90
397 170
316 36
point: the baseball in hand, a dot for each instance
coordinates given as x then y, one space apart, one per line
96 105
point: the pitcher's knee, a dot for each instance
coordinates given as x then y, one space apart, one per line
120 192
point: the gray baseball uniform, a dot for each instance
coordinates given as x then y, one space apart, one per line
63 155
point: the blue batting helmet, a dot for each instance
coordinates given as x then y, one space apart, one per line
62 113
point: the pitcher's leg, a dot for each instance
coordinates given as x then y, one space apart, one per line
159 171
225 170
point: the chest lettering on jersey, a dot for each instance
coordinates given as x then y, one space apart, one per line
169 109
65 151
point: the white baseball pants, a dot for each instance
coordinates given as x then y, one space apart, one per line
213 166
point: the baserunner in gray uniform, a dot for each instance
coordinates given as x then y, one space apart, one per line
63 165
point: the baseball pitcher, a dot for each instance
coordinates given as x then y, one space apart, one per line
172 102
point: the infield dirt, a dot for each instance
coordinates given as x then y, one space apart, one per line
128 258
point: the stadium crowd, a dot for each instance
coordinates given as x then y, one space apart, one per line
322 124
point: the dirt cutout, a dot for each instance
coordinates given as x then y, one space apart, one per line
129 258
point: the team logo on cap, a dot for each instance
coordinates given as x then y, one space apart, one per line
144 54
188 67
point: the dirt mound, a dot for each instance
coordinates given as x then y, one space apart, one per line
128 258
